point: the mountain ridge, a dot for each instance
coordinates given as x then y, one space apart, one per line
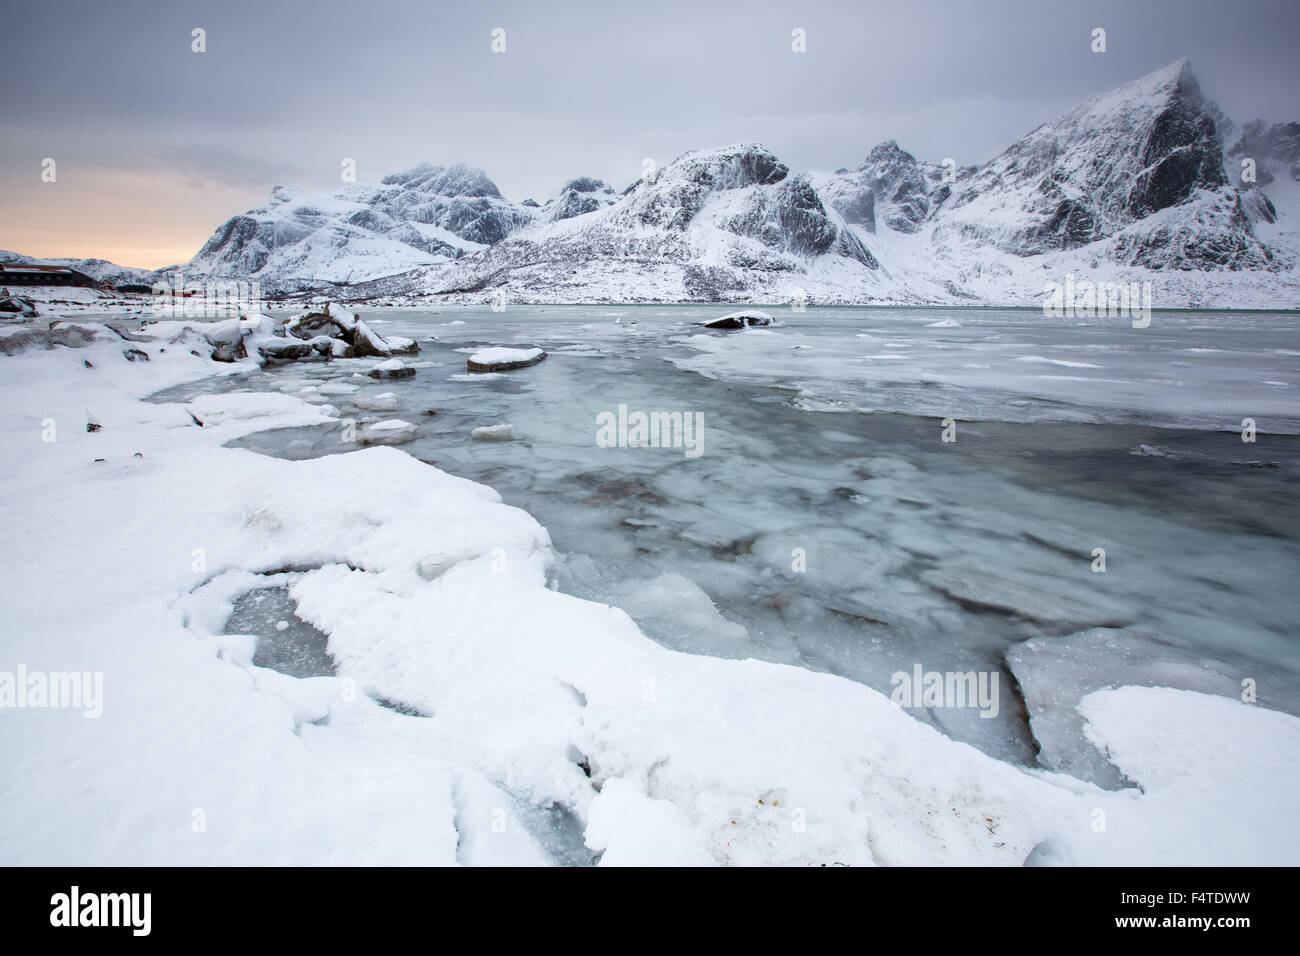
1132 183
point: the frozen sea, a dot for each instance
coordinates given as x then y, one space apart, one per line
825 522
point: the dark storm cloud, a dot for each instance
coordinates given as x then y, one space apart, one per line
287 90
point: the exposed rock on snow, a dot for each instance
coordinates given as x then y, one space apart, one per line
500 359
227 341
18 304
580 196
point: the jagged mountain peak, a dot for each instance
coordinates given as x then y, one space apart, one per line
728 167
579 197
456 180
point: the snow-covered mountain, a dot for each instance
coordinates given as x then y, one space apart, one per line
429 214
1135 176
1137 184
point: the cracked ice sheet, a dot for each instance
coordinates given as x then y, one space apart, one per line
434 592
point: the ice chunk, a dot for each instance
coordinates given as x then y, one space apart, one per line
1055 673
394 431
505 432
383 402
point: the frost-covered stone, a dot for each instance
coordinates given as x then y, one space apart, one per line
367 342
393 368
500 359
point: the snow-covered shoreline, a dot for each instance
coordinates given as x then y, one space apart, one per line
435 593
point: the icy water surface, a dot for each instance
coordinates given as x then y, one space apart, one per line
826 524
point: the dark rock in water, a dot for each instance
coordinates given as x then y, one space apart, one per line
740 320
285 351
133 355
401 346
393 368
503 359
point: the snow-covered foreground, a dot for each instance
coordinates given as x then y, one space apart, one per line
435 594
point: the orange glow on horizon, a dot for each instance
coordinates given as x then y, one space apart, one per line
135 256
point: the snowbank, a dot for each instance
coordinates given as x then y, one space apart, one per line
436 594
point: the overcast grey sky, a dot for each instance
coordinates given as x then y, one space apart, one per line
156 145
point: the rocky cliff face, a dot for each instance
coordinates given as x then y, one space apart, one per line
579 197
